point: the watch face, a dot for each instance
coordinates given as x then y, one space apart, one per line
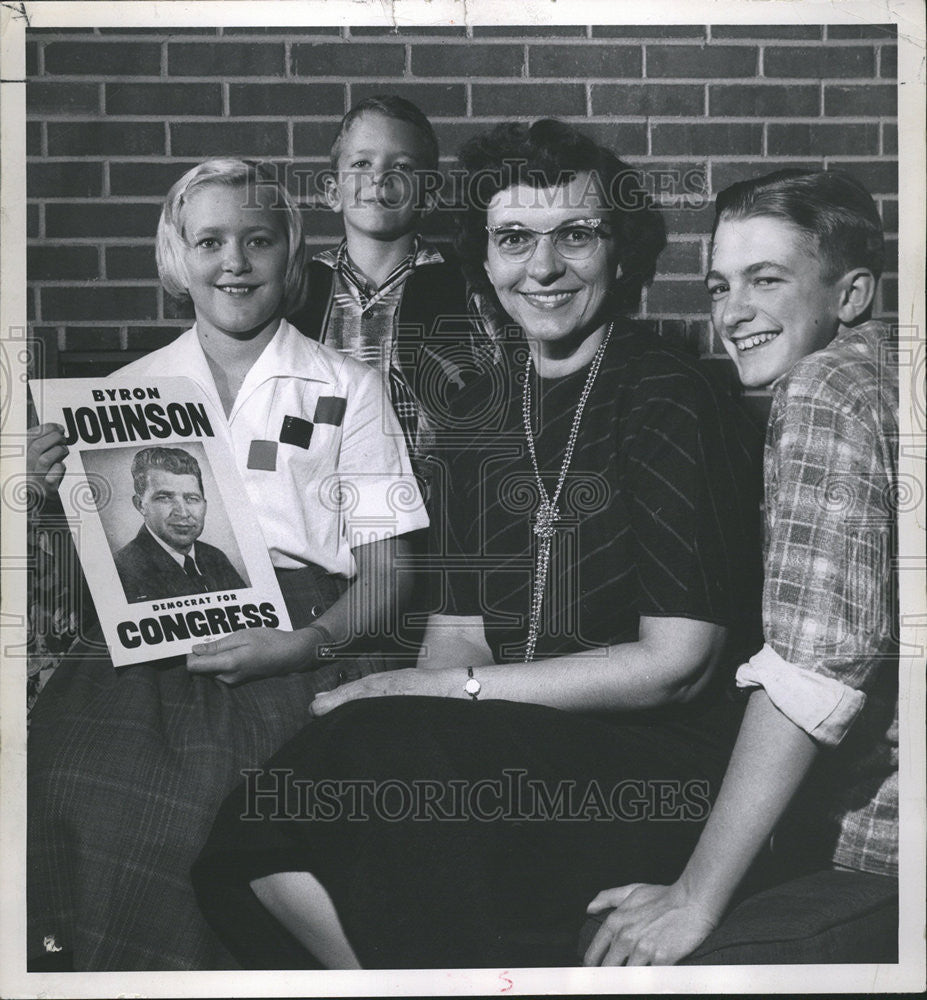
472 687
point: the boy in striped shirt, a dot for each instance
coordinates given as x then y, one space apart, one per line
384 295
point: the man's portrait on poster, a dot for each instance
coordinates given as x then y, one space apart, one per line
169 497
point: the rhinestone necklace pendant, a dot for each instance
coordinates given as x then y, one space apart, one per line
545 520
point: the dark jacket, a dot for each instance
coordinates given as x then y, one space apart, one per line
148 573
438 340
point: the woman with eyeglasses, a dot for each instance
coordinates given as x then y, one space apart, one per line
568 722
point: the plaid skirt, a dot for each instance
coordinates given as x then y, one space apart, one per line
126 771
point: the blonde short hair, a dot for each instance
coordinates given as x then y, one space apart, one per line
170 245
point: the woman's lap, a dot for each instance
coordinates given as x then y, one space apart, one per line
126 770
466 819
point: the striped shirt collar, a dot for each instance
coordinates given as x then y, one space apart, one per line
337 259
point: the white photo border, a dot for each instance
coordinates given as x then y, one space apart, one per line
908 975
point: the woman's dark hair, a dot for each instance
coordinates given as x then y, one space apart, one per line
547 154
829 206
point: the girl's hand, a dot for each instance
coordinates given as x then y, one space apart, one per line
649 925
251 654
413 680
45 454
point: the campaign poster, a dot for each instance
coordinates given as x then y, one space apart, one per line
167 539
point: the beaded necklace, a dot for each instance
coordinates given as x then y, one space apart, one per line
545 521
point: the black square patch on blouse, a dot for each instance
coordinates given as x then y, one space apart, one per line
296 431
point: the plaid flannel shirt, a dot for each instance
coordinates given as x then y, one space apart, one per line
363 323
829 603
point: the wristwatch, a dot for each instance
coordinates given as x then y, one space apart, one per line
324 649
473 686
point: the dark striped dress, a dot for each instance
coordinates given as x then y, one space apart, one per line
659 510
660 517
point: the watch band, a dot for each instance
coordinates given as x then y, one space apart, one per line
324 649
473 686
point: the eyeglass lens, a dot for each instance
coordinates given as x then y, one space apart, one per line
573 241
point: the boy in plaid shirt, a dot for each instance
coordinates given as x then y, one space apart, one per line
795 262
384 295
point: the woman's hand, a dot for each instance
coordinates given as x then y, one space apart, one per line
45 454
252 654
438 683
649 925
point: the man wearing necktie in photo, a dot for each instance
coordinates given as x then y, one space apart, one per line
166 559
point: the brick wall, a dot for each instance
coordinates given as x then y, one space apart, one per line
116 115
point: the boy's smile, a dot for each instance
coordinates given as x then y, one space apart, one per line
236 260
770 302
376 190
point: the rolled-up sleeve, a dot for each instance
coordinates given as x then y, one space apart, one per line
823 707
827 617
